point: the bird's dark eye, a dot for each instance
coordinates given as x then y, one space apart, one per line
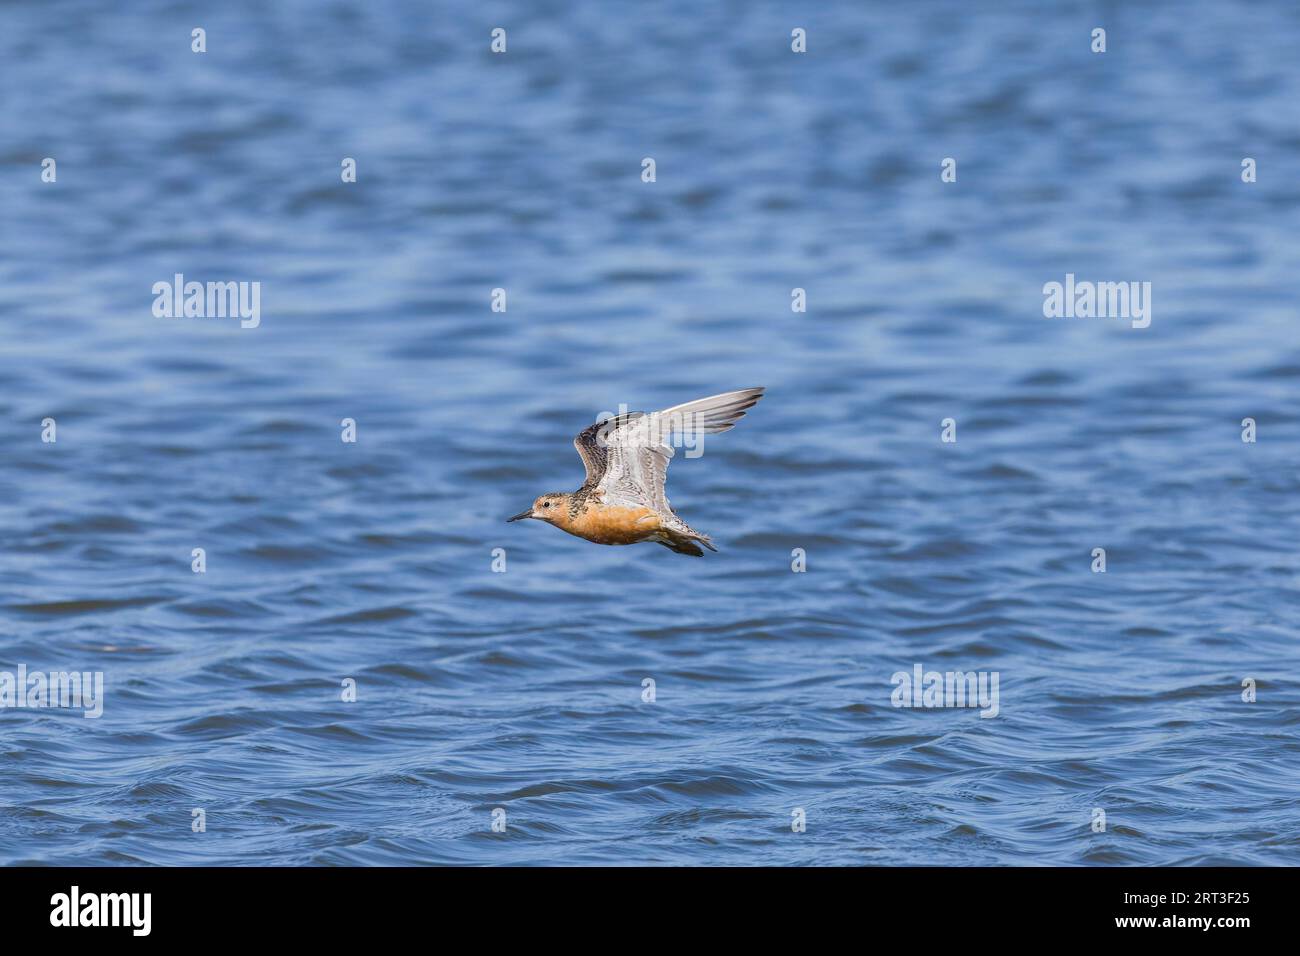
546 504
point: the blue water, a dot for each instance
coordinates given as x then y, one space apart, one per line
522 690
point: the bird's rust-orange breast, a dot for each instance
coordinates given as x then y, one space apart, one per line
606 524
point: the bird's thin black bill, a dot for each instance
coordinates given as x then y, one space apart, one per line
522 514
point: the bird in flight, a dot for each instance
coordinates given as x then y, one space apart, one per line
623 501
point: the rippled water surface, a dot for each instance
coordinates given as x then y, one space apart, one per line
522 690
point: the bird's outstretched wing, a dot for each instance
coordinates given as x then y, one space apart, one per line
627 457
592 448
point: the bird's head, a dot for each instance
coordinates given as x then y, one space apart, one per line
552 508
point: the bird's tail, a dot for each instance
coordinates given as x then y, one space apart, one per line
684 545
684 540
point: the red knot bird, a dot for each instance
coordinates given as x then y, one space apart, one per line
622 501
